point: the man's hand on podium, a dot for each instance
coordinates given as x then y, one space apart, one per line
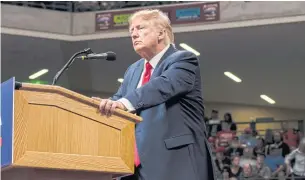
107 106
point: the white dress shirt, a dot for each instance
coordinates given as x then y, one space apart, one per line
153 62
299 165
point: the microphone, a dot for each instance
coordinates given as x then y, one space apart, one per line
69 63
109 56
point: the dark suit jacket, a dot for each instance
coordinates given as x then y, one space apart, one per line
171 140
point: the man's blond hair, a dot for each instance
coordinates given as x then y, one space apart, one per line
159 18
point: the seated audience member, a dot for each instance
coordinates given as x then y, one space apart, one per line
275 161
298 155
291 136
247 157
261 170
235 169
246 139
221 161
260 147
278 145
213 124
224 138
234 148
227 124
247 172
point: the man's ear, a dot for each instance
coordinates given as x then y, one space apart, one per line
162 34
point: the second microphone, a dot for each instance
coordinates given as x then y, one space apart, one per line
109 56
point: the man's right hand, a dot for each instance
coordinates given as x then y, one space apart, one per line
107 106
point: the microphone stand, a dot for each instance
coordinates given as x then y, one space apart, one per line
68 64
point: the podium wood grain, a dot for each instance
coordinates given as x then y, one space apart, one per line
55 128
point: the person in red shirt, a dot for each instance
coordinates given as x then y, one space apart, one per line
224 138
291 136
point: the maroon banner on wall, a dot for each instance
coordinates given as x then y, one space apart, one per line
178 14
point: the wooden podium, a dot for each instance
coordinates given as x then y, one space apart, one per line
60 135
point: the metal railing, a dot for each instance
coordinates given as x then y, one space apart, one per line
86 6
272 125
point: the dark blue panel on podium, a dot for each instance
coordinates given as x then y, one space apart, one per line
7 118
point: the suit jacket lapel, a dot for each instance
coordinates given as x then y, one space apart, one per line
139 69
170 51
137 75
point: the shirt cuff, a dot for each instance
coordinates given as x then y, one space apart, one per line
127 104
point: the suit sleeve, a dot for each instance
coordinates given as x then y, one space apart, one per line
178 79
118 94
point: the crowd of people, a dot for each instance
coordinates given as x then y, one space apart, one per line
275 155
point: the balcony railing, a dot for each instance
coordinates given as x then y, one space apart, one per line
85 6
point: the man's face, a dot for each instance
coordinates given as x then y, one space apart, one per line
214 115
260 159
226 117
144 35
236 161
247 169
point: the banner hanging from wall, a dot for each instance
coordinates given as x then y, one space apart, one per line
178 14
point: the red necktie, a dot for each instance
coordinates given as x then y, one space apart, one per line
147 73
145 79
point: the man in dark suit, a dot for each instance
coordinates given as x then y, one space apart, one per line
164 88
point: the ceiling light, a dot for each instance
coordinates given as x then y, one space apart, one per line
38 74
233 77
188 48
120 80
268 99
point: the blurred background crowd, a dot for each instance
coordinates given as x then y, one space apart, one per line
278 154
